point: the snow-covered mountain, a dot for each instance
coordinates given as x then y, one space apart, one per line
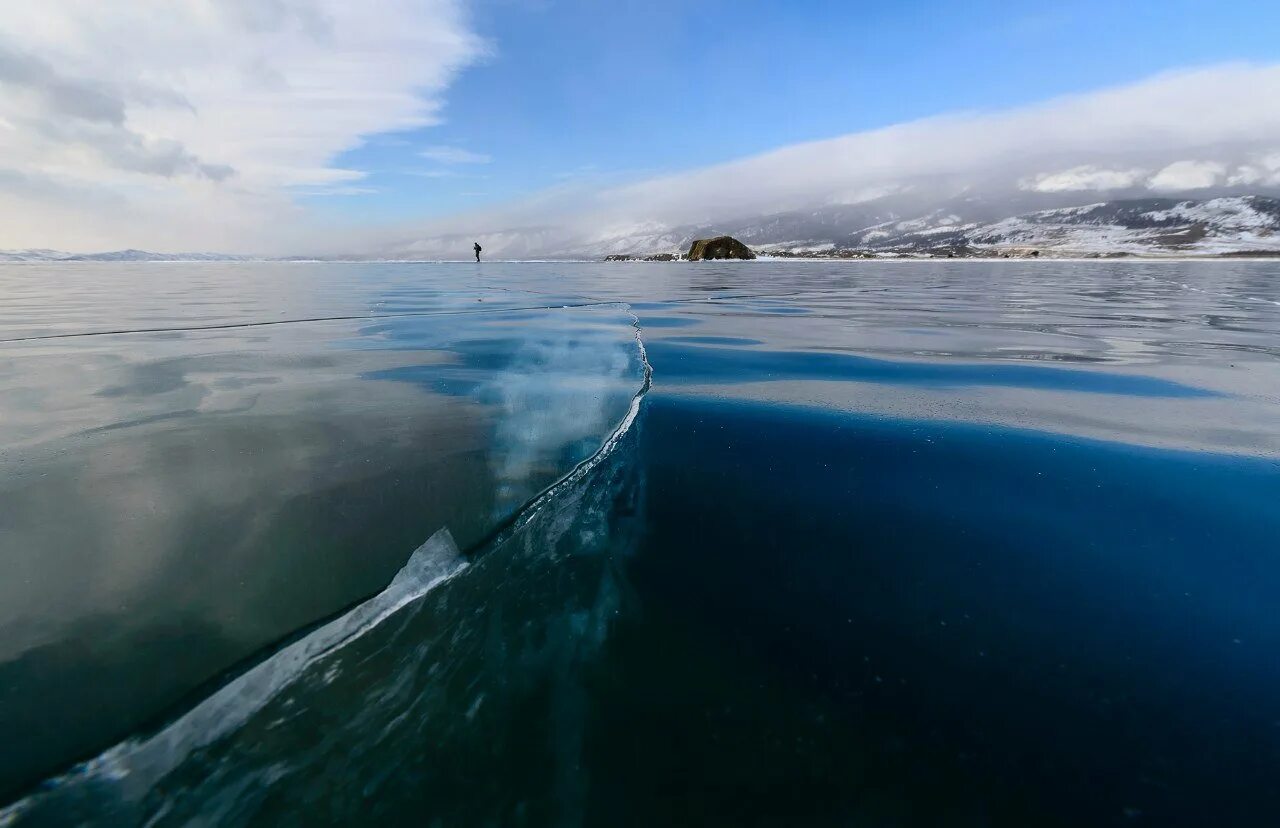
1022 224
1217 226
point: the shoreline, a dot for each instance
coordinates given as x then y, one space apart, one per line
1243 256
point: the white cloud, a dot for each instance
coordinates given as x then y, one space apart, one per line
197 119
1149 124
1181 176
1084 178
454 155
197 124
1261 171
1222 117
861 195
340 190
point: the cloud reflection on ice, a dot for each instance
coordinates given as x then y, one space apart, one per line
559 393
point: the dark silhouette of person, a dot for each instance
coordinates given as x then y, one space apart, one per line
478 249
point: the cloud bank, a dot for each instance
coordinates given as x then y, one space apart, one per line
201 125
1196 132
191 124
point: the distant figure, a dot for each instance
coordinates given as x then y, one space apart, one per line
477 245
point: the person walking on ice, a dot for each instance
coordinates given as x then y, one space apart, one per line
478 248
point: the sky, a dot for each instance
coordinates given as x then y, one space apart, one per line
299 126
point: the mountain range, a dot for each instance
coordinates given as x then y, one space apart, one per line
972 226
45 255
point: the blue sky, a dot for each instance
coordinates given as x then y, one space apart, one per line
577 89
312 126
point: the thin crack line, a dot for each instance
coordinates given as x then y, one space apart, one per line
265 323
593 303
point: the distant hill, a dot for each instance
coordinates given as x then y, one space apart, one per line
42 255
1028 224
37 255
1153 226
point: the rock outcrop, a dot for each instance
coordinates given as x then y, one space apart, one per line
721 247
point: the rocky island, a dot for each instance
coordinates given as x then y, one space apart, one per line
720 247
